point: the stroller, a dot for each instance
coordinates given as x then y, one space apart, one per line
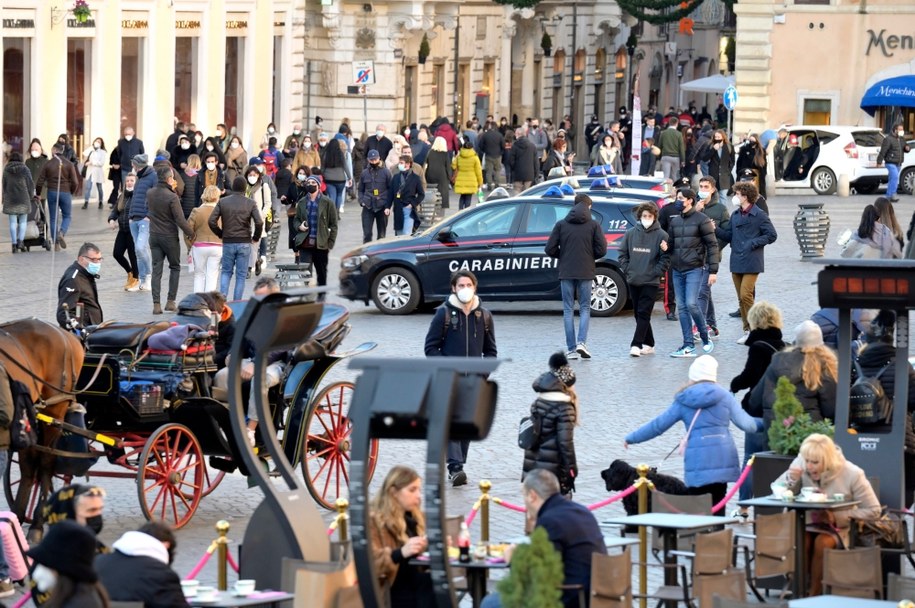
36 229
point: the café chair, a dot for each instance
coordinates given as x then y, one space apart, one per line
899 587
904 548
729 585
713 567
774 544
721 602
611 580
662 502
853 573
579 592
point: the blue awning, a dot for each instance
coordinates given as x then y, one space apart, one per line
898 91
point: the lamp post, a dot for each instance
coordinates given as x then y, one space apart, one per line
457 70
631 44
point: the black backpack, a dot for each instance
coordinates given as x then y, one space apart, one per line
24 425
868 403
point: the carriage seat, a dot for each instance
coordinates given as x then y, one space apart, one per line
329 333
116 337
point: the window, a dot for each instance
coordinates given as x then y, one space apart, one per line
131 60
543 216
79 75
490 220
481 28
872 139
185 77
235 57
817 111
16 92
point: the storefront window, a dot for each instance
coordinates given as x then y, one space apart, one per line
79 89
185 77
131 60
235 56
15 92
817 111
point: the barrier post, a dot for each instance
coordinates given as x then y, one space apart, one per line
485 487
643 482
222 528
342 519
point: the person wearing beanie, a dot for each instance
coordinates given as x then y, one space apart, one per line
231 221
165 219
315 228
555 412
138 217
64 575
811 366
706 409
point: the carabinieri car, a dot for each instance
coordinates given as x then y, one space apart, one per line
502 242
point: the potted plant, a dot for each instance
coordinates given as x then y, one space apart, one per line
424 49
535 576
546 43
81 11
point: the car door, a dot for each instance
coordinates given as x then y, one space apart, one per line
479 240
533 272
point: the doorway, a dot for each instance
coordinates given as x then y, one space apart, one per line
79 89
16 89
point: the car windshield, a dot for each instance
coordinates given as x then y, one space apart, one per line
485 221
871 139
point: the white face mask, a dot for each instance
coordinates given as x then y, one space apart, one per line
307 144
379 134
302 177
209 148
96 145
198 139
44 578
647 223
252 179
261 168
735 200
234 145
186 145
271 130
128 137
211 166
465 295
401 167
900 133
36 153
704 195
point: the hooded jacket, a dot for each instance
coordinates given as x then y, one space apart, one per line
692 242
455 334
640 255
524 160
146 179
18 188
138 571
577 241
717 211
711 454
762 345
468 172
820 403
556 450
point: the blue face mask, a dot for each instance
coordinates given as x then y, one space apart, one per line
94 267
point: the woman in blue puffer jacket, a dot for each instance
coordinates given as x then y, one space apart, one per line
710 461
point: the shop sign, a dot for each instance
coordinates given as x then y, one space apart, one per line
134 24
236 24
88 23
888 43
18 24
186 24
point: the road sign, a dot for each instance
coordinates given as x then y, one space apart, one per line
363 72
730 97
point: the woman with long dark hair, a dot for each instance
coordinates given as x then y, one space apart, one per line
720 158
336 171
95 158
752 156
875 239
124 253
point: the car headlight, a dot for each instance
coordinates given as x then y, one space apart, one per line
353 262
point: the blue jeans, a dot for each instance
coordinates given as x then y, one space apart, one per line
686 288
572 289
98 186
139 230
65 201
407 222
893 184
335 192
457 455
706 305
752 443
234 258
17 227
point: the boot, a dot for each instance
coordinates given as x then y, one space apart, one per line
157 310
86 205
21 247
170 306
15 248
131 280
61 241
101 205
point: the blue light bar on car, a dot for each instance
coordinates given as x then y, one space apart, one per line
567 189
552 192
605 183
600 170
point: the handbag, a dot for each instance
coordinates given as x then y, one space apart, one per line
887 531
681 448
529 432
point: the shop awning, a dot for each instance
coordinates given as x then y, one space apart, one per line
898 91
710 84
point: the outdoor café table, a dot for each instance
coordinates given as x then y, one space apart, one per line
613 542
477 574
227 599
838 601
800 509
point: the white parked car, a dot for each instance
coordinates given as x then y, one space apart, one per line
815 156
907 173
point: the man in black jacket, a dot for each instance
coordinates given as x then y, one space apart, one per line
77 288
694 256
524 161
710 204
892 151
577 241
374 186
491 144
231 221
138 570
128 147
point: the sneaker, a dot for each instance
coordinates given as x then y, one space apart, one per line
583 350
257 267
671 316
250 436
6 588
740 514
647 350
684 352
635 351
743 339
708 347
713 332
457 478
248 276
572 355
696 336
147 284
735 314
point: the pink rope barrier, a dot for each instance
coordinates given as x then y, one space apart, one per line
231 561
330 530
509 505
743 477
613 499
203 562
23 600
472 515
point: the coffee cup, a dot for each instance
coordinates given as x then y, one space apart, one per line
190 588
206 594
805 492
838 497
244 586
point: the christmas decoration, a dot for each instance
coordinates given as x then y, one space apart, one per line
658 8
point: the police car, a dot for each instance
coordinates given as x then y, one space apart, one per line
635 182
501 242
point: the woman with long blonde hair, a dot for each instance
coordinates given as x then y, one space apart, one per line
398 532
205 248
439 171
811 366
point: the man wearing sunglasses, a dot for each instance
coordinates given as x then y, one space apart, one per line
77 294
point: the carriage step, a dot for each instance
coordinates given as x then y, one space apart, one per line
291 276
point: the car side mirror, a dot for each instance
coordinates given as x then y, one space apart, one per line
445 235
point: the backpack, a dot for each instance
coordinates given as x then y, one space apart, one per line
487 321
24 425
868 403
529 431
269 159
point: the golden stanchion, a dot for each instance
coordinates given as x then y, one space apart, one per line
342 519
485 487
644 485
222 545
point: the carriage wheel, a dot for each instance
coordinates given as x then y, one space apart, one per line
325 457
11 478
210 481
171 475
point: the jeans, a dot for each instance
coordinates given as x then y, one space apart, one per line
139 230
465 201
65 202
335 192
686 287
706 305
375 218
457 455
573 289
643 297
234 258
18 222
670 166
745 284
123 244
162 247
893 184
101 194
492 601
207 259
752 443
407 222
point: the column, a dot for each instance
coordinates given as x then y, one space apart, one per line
49 75
754 65
211 74
258 74
527 76
509 30
159 76
105 110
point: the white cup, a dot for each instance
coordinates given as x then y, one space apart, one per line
805 492
189 588
244 586
206 594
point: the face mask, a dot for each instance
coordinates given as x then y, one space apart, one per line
311 188
198 139
406 133
323 144
44 578
647 223
900 133
211 166
261 168
186 145
735 200
36 153
704 195
401 167
302 177
296 132
96 145
128 137
379 134
271 130
234 145
252 179
94 523
94 267
465 295
209 148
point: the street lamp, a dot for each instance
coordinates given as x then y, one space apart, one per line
631 44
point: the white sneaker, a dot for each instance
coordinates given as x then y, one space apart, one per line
582 350
743 339
341 211
647 350
572 354
635 351
251 436
146 285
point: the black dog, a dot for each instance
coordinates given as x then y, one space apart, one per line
621 475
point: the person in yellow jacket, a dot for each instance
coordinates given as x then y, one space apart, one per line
468 174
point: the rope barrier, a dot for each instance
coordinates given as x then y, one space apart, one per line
23 600
231 561
614 498
508 505
472 514
740 480
203 562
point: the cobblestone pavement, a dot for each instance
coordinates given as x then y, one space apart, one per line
617 393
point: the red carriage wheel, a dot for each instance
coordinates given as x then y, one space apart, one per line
11 478
325 457
171 475
210 481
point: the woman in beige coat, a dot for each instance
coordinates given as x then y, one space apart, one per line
821 464
206 247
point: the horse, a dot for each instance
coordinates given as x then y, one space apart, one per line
47 360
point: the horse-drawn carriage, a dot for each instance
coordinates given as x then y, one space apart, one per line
157 417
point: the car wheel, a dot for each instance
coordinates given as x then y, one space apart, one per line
396 291
907 181
823 181
867 187
608 293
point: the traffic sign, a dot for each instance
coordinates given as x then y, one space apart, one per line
730 97
363 72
